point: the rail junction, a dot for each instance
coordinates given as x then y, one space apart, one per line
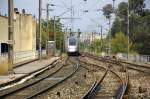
83 77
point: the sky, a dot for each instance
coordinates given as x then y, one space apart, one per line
87 22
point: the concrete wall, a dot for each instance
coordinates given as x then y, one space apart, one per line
3 29
24 32
24 36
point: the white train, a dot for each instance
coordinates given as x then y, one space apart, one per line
72 46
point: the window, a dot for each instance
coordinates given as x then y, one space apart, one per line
4 48
72 41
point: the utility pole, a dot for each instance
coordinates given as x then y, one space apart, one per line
39 36
70 34
109 37
47 8
71 12
63 40
10 33
92 36
101 39
54 26
114 6
79 33
128 25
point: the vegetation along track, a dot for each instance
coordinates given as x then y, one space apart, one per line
40 83
111 85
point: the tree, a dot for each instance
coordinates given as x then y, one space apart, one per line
122 10
139 33
119 43
58 31
137 6
107 10
96 45
118 25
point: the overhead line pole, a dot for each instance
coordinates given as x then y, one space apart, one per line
39 36
10 34
109 37
47 28
101 39
54 33
128 25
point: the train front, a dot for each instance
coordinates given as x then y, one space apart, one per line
72 47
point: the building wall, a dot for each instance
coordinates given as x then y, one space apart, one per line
24 32
24 36
3 29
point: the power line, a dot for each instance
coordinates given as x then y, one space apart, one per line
63 3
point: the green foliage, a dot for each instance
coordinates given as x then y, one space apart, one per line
137 6
82 46
118 25
107 10
96 46
49 35
122 9
139 31
119 43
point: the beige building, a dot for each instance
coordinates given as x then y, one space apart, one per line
24 36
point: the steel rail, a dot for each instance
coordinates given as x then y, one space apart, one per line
30 84
119 62
96 85
59 82
124 83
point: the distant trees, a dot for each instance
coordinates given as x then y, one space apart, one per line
107 10
96 46
50 34
119 43
139 33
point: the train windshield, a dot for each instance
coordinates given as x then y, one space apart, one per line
72 42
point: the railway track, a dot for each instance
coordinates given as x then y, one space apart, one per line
140 68
75 86
138 77
111 85
41 83
107 79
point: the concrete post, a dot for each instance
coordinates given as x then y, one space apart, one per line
10 34
39 36
54 35
47 39
101 39
128 21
